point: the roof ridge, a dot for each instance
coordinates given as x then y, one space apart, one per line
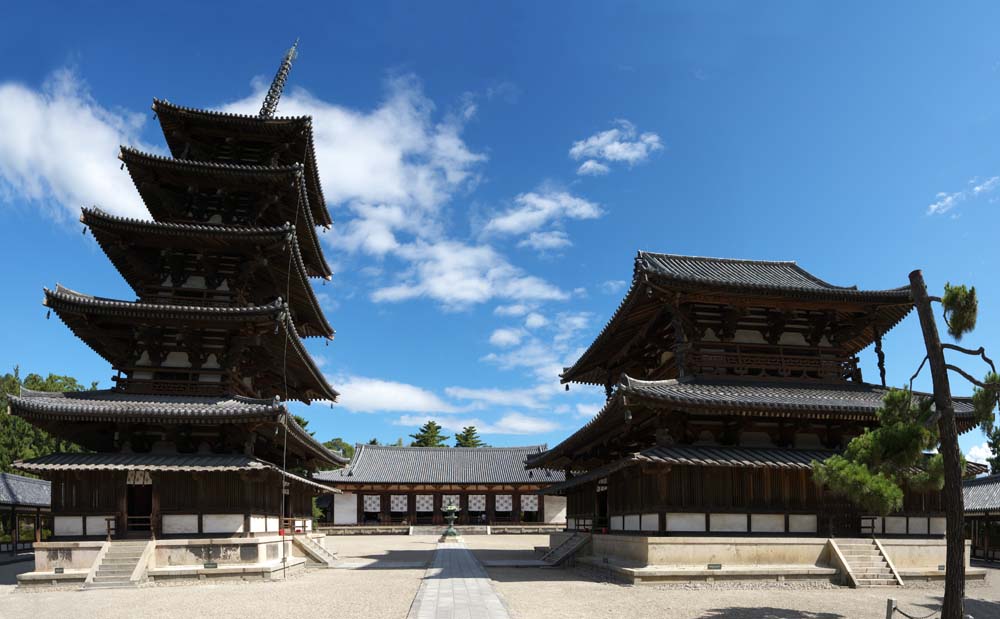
98 212
485 447
715 259
233 115
295 168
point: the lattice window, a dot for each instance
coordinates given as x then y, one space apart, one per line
450 499
397 503
505 503
373 503
139 478
477 502
529 502
425 502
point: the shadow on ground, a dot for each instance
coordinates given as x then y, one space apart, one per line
9 571
750 612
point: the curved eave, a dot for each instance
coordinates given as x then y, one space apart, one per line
68 302
247 240
245 126
290 179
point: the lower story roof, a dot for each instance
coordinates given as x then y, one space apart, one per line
163 463
24 491
982 495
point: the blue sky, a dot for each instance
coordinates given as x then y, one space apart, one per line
493 168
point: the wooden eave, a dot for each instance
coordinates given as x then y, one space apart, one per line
122 240
166 186
292 137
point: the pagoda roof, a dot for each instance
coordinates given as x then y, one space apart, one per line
758 398
722 279
104 405
167 463
122 239
385 464
78 311
290 138
284 185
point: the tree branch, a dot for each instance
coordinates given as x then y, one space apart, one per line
917 373
930 298
968 377
981 352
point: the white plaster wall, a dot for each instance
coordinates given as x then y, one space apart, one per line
632 522
918 526
258 524
555 509
67 525
97 525
733 523
878 525
174 524
345 508
272 523
937 526
799 523
650 522
222 523
685 522
767 523
895 525
617 523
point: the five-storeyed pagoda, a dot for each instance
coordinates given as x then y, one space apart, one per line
195 438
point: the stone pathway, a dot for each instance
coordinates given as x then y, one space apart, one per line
456 587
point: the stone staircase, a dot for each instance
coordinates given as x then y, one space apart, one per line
866 562
117 565
438 529
315 551
569 547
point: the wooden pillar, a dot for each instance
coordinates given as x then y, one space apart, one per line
515 507
411 504
463 503
15 533
360 508
437 517
385 508
541 508
491 507
154 512
986 538
38 524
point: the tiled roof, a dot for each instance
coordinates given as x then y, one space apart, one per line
982 495
168 463
116 406
697 455
380 464
20 490
844 401
784 276
856 398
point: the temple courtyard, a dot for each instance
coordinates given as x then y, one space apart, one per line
408 576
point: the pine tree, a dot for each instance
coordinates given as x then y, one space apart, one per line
469 437
993 442
339 444
429 435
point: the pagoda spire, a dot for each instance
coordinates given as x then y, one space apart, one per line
278 84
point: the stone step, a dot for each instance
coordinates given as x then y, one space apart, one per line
115 569
111 579
109 585
877 582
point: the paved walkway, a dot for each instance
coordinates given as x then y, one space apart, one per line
456 587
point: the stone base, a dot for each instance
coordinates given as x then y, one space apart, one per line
451 539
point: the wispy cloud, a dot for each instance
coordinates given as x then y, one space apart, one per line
507 337
613 286
945 202
536 209
621 144
58 148
362 394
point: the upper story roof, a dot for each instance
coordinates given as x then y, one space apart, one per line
382 464
24 491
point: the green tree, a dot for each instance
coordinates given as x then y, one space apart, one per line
20 440
339 444
374 441
429 435
469 437
303 423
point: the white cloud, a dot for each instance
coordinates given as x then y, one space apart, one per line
945 201
534 210
507 337
510 423
459 275
592 167
532 397
979 453
370 395
59 147
535 320
543 241
614 286
621 144
514 309
588 411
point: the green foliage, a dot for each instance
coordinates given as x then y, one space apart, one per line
993 442
374 441
317 512
469 437
879 465
19 440
960 309
429 435
984 401
339 444
303 422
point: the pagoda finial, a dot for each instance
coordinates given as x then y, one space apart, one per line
278 84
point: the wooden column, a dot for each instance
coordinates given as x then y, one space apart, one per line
38 524
515 506
463 502
437 517
15 533
491 507
411 504
541 508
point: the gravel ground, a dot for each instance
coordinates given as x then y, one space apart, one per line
557 594
529 593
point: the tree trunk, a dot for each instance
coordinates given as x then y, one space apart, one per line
954 589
